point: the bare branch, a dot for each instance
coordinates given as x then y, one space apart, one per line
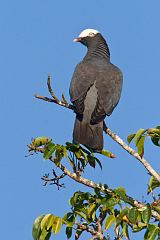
60 103
131 151
100 220
64 99
54 99
50 90
54 180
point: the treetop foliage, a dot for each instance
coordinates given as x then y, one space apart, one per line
104 208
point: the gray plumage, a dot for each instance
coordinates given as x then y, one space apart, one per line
95 90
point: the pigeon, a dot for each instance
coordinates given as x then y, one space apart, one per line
95 90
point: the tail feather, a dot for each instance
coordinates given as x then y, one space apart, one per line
88 134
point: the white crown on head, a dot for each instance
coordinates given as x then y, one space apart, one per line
88 32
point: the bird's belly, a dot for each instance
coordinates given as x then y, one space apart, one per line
90 102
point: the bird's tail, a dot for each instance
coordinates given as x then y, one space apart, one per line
89 135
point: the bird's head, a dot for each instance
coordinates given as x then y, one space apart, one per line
88 36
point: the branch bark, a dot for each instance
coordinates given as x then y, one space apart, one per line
95 234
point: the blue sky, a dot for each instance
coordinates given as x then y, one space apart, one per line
36 39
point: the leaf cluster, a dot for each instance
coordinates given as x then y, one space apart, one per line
88 209
140 136
77 156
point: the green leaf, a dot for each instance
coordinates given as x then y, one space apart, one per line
50 221
45 221
107 153
92 211
130 137
82 215
84 154
140 146
138 135
109 221
105 186
156 141
49 150
154 131
45 235
69 219
56 225
151 232
69 232
146 214
139 228
40 141
91 161
153 183
159 230
72 147
132 216
36 230
155 135
123 213
83 162
99 163
78 154
121 192
111 202
125 230
76 197
60 152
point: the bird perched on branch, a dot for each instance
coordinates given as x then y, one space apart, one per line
95 90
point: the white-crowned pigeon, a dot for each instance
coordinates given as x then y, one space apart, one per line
95 90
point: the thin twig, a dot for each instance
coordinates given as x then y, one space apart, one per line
100 220
60 103
54 99
64 99
54 180
50 89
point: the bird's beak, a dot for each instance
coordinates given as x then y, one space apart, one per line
77 39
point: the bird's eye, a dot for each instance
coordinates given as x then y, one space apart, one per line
91 34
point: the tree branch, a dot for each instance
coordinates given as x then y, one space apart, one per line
91 184
100 220
54 99
55 180
94 185
131 151
108 131
95 234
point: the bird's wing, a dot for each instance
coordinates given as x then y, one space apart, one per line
109 85
83 78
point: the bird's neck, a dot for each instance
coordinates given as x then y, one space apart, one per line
98 50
